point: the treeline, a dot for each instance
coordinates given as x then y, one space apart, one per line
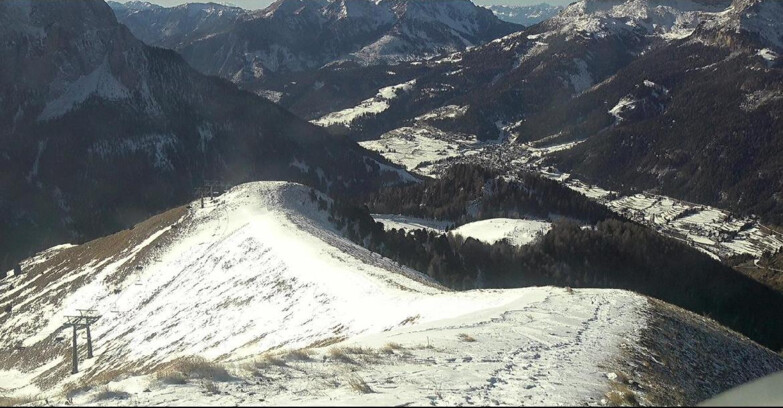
469 192
613 254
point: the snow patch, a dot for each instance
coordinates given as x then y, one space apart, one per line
625 104
768 54
516 231
408 223
100 83
372 106
581 80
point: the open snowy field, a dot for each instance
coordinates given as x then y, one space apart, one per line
418 147
395 221
715 231
517 232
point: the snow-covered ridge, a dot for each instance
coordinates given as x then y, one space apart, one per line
261 268
256 269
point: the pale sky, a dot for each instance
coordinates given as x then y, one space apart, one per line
259 4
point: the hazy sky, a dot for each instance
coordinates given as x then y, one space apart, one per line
259 4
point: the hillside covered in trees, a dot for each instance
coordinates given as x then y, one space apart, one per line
605 252
469 192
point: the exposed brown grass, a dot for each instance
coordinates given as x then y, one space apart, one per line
65 261
326 342
269 359
106 393
168 376
360 350
298 355
621 377
340 354
410 320
683 359
55 266
390 348
359 385
38 354
179 371
396 349
355 354
72 389
621 396
16 401
91 380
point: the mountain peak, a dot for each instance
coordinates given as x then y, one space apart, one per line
297 35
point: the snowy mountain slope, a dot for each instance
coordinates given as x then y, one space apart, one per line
667 19
757 18
261 268
86 107
372 106
614 74
744 132
296 35
514 77
175 26
185 284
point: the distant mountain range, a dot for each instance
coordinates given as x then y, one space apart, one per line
296 35
99 130
683 98
526 15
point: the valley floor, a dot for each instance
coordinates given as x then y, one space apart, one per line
428 151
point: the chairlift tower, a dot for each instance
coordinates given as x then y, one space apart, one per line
209 188
85 318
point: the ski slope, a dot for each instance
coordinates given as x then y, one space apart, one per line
260 270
